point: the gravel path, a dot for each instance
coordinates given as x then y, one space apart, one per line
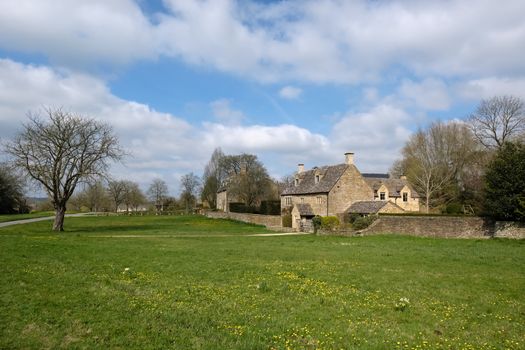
27 221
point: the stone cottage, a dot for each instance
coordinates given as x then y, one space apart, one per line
338 189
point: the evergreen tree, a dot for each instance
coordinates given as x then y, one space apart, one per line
505 183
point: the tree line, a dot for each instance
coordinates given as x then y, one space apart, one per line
458 164
477 163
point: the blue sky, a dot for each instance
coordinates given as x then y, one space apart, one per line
290 81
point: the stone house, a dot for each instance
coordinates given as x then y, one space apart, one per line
338 189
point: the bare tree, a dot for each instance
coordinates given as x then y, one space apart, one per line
435 160
133 196
248 179
61 151
190 184
157 193
497 120
213 178
116 190
93 196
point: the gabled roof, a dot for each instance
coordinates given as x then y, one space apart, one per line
394 186
307 184
366 207
305 209
375 175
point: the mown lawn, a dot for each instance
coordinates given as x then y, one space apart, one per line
197 283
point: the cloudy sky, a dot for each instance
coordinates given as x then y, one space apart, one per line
289 81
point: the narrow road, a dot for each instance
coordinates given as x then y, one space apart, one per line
27 221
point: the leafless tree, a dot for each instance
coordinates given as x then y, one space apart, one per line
116 190
157 193
497 120
60 151
133 196
93 196
212 178
248 179
190 184
435 160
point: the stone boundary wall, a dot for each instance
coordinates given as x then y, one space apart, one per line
509 229
446 227
432 226
270 221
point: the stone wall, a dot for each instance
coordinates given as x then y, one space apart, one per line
432 226
316 201
509 229
270 221
350 188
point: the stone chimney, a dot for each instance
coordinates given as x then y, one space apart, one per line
403 177
300 168
349 158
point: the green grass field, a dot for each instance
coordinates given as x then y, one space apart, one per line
196 283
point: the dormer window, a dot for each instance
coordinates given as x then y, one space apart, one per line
405 196
317 178
382 196
296 181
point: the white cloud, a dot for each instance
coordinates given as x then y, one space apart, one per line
484 88
290 92
375 136
77 33
316 41
259 138
429 94
225 114
161 145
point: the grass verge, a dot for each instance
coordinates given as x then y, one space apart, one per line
82 289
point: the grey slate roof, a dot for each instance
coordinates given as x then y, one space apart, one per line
305 209
375 175
394 186
366 207
329 177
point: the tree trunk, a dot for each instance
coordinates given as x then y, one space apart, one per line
58 224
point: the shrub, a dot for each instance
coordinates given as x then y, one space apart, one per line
352 217
242 208
453 208
287 220
270 207
363 222
329 223
316 222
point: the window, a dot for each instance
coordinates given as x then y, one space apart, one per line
296 182
302 200
317 178
382 196
405 197
319 200
288 201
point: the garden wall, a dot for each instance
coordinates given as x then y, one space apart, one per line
509 229
432 226
270 221
446 226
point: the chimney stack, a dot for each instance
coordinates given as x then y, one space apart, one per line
300 168
349 158
403 177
